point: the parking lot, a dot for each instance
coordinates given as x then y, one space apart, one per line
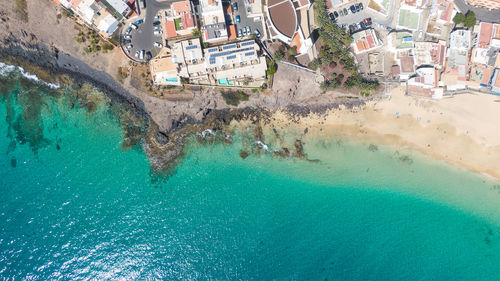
143 38
245 21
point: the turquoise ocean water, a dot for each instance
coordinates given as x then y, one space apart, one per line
75 206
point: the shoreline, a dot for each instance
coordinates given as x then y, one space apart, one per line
452 130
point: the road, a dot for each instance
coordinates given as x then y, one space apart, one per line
482 14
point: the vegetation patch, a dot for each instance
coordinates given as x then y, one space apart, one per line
335 53
22 10
234 98
468 20
93 41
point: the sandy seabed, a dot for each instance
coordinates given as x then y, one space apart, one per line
463 130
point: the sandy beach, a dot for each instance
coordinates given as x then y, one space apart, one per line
461 130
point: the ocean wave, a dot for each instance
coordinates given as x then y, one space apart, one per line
6 69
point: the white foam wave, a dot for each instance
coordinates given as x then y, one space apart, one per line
207 132
262 145
6 69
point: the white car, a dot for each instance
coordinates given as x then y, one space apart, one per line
157 28
157 32
157 17
129 47
141 55
158 45
137 54
127 37
133 26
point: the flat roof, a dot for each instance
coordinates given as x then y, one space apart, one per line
283 17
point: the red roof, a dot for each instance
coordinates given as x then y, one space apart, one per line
359 45
170 29
485 35
370 40
187 21
181 7
231 32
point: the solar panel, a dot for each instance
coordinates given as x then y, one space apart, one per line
212 60
231 57
222 54
229 47
213 50
247 43
250 54
191 47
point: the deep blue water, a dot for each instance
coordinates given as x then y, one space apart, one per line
75 205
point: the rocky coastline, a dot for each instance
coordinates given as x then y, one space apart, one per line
163 147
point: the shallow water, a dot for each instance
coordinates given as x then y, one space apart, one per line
75 205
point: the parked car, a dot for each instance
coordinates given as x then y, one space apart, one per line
141 55
157 17
249 30
238 19
127 37
362 25
353 9
257 33
133 26
127 42
157 28
137 54
341 12
157 23
139 22
336 14
331 16
357 7
158 45
157 32
129 47
235 6
346 12
240 33
128 30
352 28
360 5
148 55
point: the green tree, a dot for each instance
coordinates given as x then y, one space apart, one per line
459 18
470 19
196 33
278 56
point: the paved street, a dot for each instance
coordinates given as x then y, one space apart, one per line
481 13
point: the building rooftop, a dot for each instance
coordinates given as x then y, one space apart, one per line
429 53
283 17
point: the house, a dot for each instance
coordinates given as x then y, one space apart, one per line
164 70
106 23
213 22
365 41
489 4
458 56
179 19
119 6
430 53
495 81
225 65
288 21
425 83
